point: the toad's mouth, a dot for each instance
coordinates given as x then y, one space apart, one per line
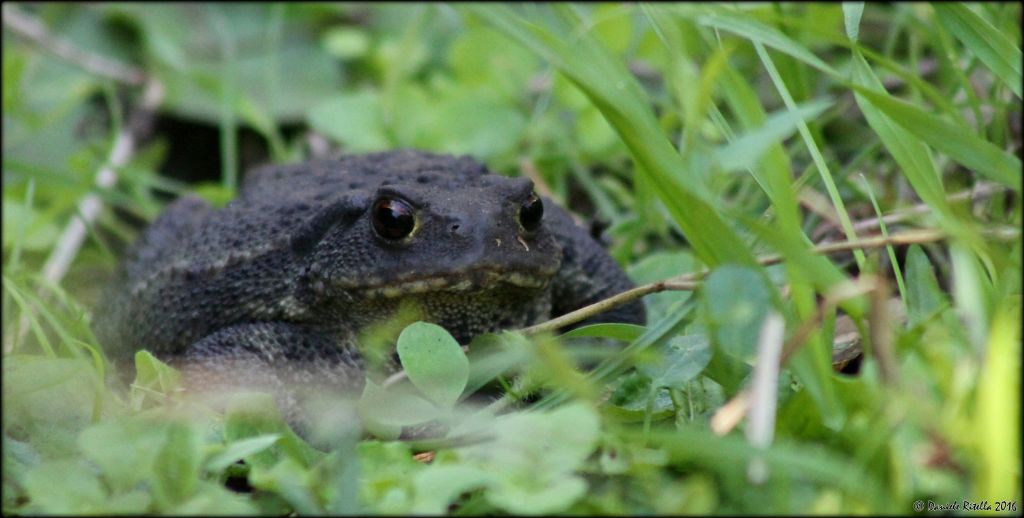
474 280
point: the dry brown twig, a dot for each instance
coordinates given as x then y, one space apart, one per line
690 281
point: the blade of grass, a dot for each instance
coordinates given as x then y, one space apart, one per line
812 147
998 405
911 76
949 58
885 233
228 100
746 151
991 46
956 141
852 11
759 33
773 171
23 305
913 156
616 93
14 260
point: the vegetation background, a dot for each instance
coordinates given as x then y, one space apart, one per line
740 146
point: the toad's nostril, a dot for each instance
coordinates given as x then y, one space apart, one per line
455 227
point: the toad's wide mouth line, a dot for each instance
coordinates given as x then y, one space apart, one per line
452 282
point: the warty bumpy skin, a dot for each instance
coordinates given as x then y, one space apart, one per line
272 290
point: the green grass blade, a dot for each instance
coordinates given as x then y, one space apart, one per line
773 171
616 93
812 147
956 141
888 248
998 407
852 11
991 46
746 151
912 155
19 299
758 32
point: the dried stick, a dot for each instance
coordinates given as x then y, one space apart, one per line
89 207
980 191
689 281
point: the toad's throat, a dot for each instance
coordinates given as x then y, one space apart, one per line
473 280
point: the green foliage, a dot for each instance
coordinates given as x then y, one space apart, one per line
705 136
434 362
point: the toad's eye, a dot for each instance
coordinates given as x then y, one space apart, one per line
531 212
392 218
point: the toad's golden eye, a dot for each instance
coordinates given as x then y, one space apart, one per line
531 212
392 218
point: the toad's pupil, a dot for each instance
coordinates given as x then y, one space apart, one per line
531 212
393 218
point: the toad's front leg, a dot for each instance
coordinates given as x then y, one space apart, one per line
289 361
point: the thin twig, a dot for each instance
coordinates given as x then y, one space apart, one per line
689 281
979 192
89 207
764 393
32 29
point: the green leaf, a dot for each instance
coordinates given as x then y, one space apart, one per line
238 450
924 297
48 401
991 46
285 74
852 12
684 357
154 380
746 27
291 480
35 233
957 141
437 486
176 466
212 499
346 42
65 487
353 119
912 155
997 421
501 75
388 471
125 449
746 151
534 456
493 354
537 499
736 301
434 362
256 414
658 266
386 410
812 146
631 396
474 124
624 332
803 264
